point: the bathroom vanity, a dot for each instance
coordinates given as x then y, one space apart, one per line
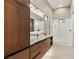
39 47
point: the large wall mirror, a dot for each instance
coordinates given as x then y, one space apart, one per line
39 24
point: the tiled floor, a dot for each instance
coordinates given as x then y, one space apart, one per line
59 52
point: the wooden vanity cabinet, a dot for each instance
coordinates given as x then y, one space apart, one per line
38 50
21 55
16 26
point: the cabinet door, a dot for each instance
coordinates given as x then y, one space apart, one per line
44 47
48 43
21 55
24 25
16 27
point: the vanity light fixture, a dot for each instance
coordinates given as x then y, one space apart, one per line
46 18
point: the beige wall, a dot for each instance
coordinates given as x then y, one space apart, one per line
62 13
72 7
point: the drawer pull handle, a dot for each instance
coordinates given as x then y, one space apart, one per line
36 55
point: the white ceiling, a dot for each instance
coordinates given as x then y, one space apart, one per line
59 3
43 6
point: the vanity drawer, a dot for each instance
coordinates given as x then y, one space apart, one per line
35 47
36 54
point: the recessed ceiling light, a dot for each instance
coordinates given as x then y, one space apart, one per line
60 5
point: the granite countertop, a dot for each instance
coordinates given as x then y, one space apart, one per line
38 39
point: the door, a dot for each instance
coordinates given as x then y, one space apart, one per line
65 32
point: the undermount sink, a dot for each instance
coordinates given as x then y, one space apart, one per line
33 39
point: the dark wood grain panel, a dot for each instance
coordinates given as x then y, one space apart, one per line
11 27
24 18
21 55
16 25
